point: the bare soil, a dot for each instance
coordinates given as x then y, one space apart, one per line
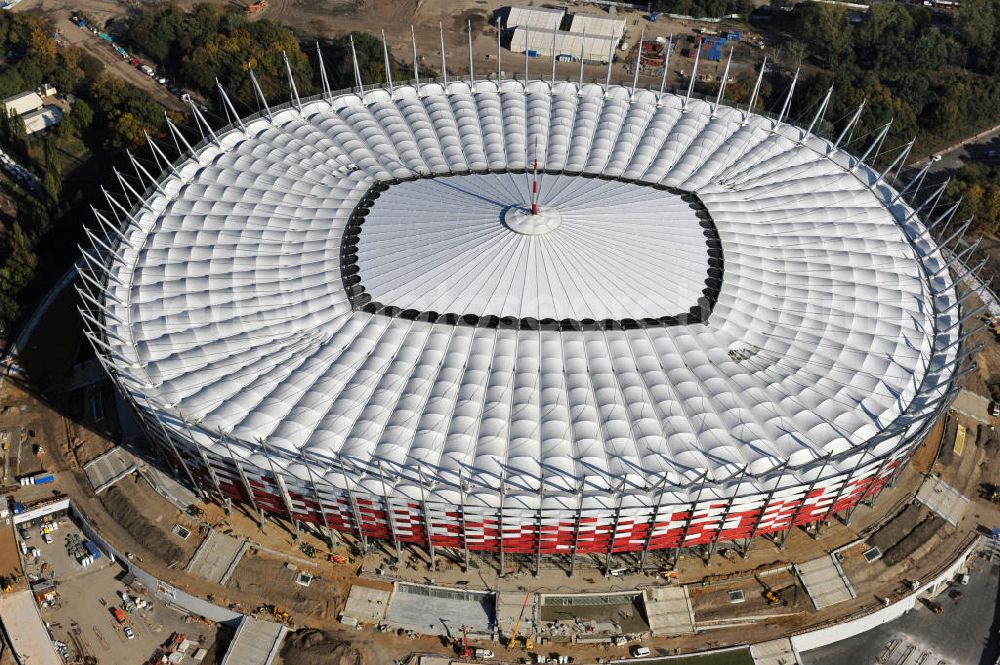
152 535
896 529
314 647
273 580
912 540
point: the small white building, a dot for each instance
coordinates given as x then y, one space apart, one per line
22 103
530 17
544 32
598 25
36 121
565 45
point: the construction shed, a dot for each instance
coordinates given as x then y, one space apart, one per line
592 24
22 103
529 17
565 45
36 121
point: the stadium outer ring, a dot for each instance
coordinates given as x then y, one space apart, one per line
771 506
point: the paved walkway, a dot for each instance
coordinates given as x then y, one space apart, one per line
825 582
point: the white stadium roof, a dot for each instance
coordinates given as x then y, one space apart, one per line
589 350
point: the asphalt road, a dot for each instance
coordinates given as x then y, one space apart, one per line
964 634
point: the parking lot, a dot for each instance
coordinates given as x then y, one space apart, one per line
82 614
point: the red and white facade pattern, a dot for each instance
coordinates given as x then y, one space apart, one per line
548 531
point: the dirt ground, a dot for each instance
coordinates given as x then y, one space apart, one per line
151 525
59 11
314 647
268 577
319 20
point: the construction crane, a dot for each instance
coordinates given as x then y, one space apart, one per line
466 652
513 637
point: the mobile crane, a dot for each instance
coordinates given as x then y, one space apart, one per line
528 642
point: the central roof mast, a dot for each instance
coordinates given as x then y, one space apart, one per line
534 181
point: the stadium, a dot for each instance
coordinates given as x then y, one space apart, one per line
540 318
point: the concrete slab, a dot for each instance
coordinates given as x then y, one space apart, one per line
669 611
256 643
508 609
440 611
974 406
366 604
107 469
775 652
943 499
25 630
825 581
168 488
217 557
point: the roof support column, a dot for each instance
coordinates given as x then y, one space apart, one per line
355 511
763 509
619 491
280 484
576 530
465 527
687 523
503 496
204 458
327 529
729 509
187 470
427 520
243 478
843 486
390 515
539 523
652 522
802 503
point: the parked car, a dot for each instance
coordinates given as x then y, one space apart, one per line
129 634
638 652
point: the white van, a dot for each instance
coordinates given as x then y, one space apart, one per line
638 652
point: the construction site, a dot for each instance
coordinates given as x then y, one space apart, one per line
124 560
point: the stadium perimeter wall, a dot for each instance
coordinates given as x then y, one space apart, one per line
848 629
513 530
163 591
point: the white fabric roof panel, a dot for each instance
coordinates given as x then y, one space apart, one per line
533 18
234 312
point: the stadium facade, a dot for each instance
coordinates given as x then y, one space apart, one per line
342 310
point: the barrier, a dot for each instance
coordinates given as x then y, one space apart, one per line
160 589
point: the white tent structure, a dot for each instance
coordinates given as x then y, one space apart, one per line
717 325
566 45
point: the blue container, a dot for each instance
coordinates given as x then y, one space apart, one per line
44 478
18 507
652 17
532 54
734 36
91 550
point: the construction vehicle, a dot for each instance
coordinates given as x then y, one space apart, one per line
517 626
466 652
255 7
769 594
308 550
